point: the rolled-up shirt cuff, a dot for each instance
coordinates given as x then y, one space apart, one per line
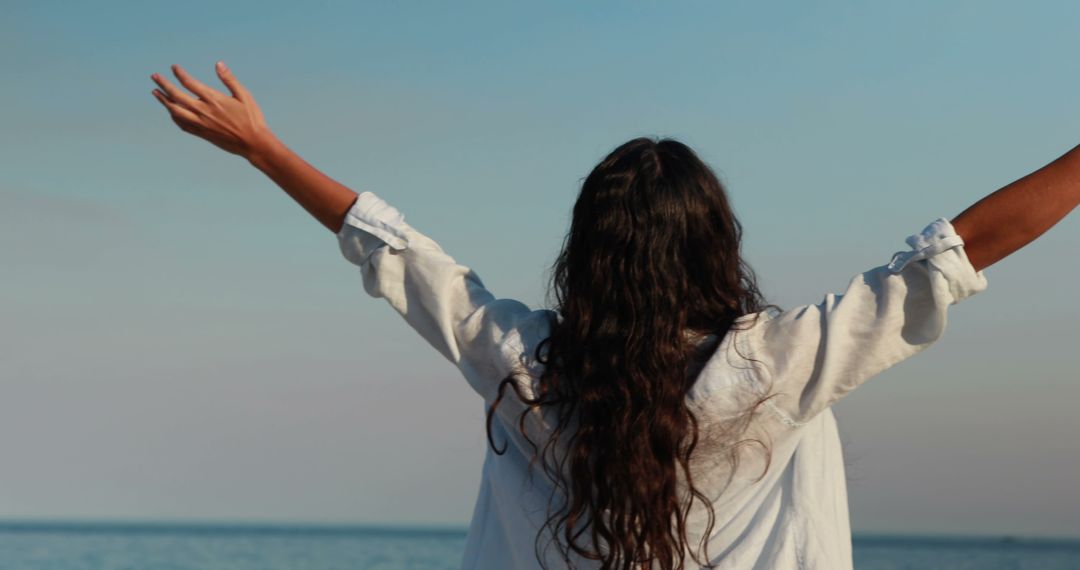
942 247
376 219
373 215
935 238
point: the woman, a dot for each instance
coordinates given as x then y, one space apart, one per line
660 416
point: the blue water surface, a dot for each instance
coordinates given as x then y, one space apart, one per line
143 546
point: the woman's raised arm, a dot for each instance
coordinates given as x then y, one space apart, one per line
443 300
235 124
1013 216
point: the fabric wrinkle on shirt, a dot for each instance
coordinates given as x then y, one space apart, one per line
796 516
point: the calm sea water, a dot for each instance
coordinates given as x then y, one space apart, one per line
111 546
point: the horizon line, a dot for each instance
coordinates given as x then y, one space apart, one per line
239 527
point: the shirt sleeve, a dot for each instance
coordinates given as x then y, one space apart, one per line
813 355
444 301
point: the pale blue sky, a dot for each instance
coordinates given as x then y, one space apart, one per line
180 340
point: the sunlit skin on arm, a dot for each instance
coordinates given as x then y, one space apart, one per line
1012 217
234 122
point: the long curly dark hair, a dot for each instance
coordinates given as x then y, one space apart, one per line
652 259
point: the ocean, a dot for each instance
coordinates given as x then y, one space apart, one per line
144 546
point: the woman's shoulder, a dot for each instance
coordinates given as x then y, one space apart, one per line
729 380
528 332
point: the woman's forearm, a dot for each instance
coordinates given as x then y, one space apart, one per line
1013 216
323 197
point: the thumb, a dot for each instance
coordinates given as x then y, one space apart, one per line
226 75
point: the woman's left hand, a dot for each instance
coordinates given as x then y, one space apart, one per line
231 122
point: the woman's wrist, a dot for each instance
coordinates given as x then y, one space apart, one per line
262 149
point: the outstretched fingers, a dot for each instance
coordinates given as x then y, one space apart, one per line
180 115
230 81
232 123
177 95
204 91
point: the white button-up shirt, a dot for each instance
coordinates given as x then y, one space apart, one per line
795 516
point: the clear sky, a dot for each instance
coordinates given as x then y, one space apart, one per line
179 340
